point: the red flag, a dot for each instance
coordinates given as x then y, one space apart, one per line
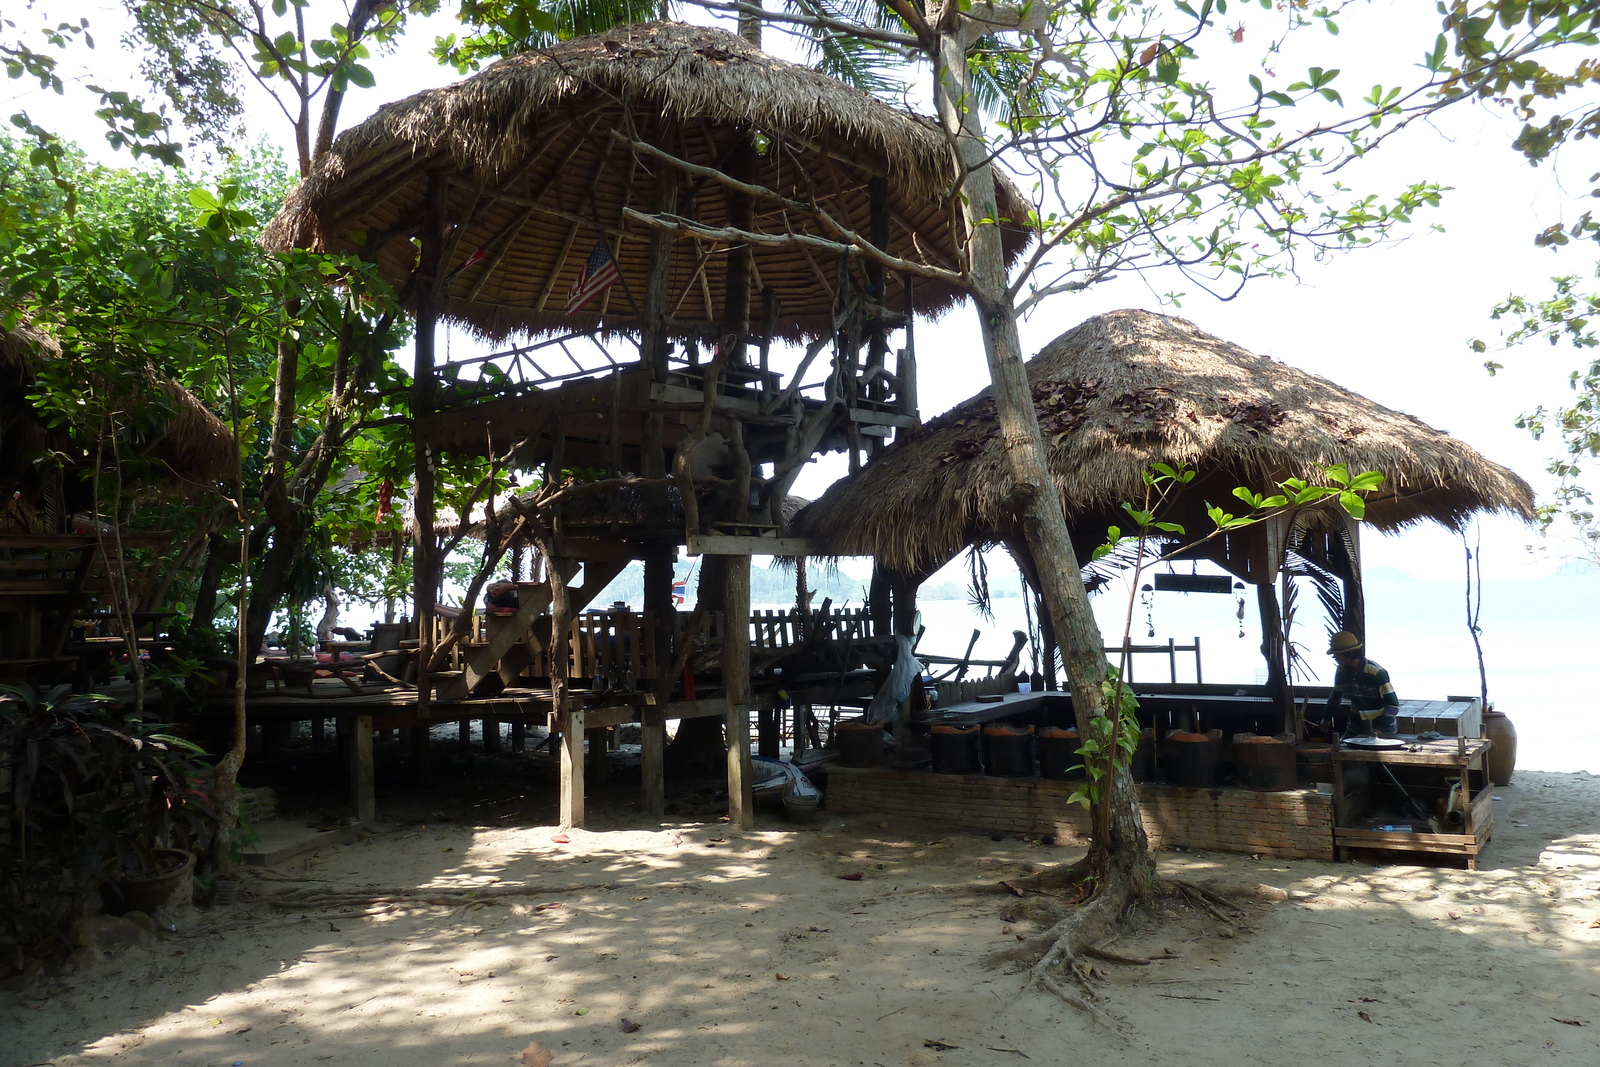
478 256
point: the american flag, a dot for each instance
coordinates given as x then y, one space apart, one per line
599 274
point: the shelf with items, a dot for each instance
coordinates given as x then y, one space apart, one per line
1420 796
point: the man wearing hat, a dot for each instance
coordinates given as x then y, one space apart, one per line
1365 684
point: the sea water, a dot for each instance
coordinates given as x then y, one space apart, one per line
1541 648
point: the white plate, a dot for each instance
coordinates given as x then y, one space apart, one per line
1375 742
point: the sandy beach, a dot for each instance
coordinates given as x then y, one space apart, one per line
692 945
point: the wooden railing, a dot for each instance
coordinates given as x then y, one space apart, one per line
1170 650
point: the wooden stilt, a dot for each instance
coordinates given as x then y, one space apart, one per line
572 770
652 761
425 545
421 761
491 735
736 682
464 738
768 736
595 763
363 796
519 736
741 803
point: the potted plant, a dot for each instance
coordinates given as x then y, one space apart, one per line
91 798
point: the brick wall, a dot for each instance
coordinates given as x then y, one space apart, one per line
1294 824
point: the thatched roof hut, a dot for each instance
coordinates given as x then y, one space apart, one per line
184 434
1130 388
535 153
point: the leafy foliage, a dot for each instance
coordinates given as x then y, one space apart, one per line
90 793
1554 96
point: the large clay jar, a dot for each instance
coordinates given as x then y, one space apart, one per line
1502 759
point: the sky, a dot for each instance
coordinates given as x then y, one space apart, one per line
1392 323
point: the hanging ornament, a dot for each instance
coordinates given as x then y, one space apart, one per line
1238 598
1147 597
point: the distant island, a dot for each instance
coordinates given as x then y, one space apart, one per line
1387 574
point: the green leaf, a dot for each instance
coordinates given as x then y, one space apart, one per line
1366 481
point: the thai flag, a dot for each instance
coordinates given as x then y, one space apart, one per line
680 591
599 274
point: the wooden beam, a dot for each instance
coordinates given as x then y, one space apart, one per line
728 545
555 271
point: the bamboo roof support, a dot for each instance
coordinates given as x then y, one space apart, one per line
501 243
561 262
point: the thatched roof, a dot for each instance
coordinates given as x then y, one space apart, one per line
195 444
1130 388
534 167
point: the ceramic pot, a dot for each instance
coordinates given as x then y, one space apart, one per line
147 892
1502 758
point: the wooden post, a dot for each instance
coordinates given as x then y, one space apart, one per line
880 601
421 763
653 348
595 765
659 613
423 399
572 770
769 739
1272 648
652 761
491 735
736 274
906 368
363 796
736 688
464 732
519 736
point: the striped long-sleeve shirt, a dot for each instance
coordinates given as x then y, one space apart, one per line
1368 689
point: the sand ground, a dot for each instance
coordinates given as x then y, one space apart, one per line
730 949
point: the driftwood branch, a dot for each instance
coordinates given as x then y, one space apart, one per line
849 237
675 224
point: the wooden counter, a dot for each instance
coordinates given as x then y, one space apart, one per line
1426 768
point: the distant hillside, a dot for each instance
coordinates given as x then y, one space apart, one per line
1386 574
1579 568
768 585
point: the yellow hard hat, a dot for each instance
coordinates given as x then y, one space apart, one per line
1342 642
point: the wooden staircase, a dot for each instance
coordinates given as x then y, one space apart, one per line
513 641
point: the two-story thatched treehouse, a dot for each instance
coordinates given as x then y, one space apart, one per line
672 190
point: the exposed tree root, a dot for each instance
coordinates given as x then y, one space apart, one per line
312 899
1086 911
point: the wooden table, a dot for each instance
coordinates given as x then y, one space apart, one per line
1432 764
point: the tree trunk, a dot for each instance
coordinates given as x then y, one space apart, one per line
698 748
1119 850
